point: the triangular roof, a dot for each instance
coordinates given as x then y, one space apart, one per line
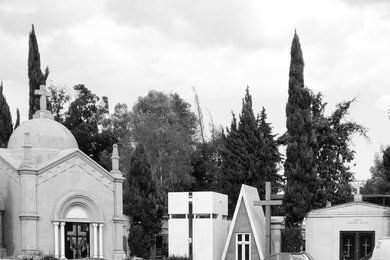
354 208
14 158
248 195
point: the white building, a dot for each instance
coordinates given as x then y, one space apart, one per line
347 231
197 224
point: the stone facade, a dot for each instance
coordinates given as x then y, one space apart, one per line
56 200
347 231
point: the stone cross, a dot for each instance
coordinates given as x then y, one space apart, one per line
43 93
268 203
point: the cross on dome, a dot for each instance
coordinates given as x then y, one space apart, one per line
43 93
42 112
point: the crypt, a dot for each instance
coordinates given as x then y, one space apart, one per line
54 199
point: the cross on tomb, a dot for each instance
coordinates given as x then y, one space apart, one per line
348 245
43 93
268 202
365 245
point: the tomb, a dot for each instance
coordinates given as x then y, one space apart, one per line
347 231
54 199
197 224
246 239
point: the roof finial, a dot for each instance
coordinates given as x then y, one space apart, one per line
42 112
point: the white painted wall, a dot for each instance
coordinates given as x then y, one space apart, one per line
323 229
209 234
178 237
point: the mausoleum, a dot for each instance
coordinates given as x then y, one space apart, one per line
54 199
347 231
197 224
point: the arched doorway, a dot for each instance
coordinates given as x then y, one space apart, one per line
78 228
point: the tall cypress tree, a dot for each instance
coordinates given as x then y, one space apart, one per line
35 75
5 120
17 123
268 152
299 166
249 156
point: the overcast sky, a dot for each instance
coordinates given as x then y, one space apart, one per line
123 49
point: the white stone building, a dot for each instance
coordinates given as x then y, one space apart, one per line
55 199
197 224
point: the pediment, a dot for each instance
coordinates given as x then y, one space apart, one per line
75 159
355 208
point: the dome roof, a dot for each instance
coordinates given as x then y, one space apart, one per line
44 134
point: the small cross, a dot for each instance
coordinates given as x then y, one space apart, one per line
43 93
268 202
365 245
348 245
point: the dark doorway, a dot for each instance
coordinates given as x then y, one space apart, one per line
355 245
76 240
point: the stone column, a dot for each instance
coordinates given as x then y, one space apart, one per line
101 240
1 228
28 197
55 226
95 240
62 235
91 248
3 252
118 219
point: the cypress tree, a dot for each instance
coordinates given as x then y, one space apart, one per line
141 204
250 155
5 120
268 153
35 75
299 166
17 123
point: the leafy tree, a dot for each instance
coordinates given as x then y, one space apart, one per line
333 152
386 164
35 75
299 166
207 164
118 124
84 118
6 127
17 123
378 183
165 125
59 99
141 204
250 155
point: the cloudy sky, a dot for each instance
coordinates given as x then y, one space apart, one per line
123 49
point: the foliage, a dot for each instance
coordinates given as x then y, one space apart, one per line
207 164
250 155
141 204
378 183
165 125
35 75
17 123
84 118
333 152
292 239
6 127
299 166
59 100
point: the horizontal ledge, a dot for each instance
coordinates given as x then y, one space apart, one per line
267 203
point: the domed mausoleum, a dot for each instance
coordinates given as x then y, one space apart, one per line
54 199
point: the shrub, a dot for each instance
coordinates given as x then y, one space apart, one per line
292 239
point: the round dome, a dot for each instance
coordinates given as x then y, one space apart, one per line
44 134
